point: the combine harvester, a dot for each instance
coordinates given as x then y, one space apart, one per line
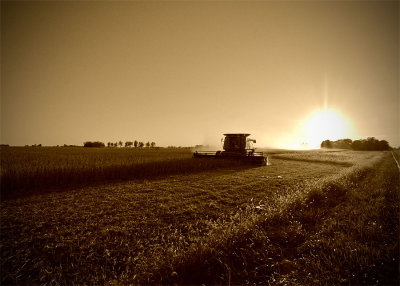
236 146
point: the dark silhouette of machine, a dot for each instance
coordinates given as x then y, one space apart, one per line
236 146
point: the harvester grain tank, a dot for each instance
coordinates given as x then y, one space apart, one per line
236 146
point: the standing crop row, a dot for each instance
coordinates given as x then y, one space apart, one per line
37 169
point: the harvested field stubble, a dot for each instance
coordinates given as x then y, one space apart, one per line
324 156
233 225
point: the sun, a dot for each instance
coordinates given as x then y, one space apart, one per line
325 124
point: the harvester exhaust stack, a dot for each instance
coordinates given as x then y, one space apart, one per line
236 146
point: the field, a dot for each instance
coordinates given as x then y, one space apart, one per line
124 216
36 170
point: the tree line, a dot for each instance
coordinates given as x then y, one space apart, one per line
134 144
369 144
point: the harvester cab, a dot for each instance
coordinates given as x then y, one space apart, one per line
238 143
237 146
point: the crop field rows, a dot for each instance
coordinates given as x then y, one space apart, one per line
159 229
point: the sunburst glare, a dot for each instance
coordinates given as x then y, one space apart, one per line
326 124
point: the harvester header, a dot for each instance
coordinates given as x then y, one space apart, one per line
236 146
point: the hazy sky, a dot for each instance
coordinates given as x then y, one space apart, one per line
183 73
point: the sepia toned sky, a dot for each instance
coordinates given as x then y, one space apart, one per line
183 73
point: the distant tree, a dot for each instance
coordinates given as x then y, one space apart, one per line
153 144
93 144
342 144
357 145
120 143
347 141
109 144
370 144
128 144
383 145
135 144
148 144
141 144
326 144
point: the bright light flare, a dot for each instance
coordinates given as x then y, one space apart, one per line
326 124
